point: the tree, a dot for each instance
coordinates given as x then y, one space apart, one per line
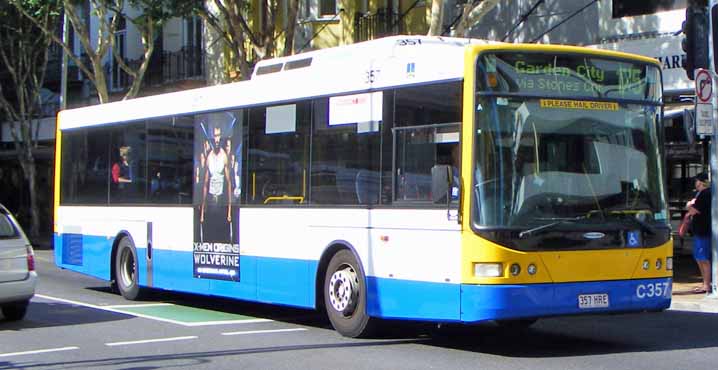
230 20
471 14
24 58
108 13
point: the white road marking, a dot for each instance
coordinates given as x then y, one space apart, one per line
150 341
226 322
115 310
138 305
38 351
263 331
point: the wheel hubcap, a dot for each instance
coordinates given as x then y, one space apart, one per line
343 290
127 268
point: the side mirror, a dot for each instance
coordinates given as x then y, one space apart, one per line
440 183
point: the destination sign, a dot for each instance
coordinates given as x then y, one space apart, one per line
569 76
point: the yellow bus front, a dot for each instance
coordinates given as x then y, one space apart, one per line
564 208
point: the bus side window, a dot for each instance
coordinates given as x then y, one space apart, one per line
278 155
129 161
345 161
427 122
169 159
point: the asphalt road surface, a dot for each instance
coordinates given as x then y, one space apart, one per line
77 322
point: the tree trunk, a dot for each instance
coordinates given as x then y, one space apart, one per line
148 44
100 81
30 174
26 159
292 9
436 20
471 15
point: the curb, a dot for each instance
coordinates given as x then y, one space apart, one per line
704 305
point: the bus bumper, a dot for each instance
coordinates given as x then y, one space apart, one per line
497 302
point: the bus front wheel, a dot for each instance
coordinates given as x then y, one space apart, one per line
345 296
126 276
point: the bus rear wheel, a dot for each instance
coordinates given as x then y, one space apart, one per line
345 296
126 270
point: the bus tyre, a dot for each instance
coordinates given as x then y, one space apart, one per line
345 296
126 276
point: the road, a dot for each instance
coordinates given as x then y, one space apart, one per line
77 322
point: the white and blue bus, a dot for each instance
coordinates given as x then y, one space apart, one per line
417 178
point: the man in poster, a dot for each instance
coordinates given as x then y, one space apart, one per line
216 193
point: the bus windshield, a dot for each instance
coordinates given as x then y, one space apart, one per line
566 141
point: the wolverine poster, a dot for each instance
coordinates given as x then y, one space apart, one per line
217 190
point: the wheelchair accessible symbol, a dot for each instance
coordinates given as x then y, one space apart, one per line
633 238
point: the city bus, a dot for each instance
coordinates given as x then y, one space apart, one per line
418 178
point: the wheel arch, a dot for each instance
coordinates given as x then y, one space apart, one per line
331 249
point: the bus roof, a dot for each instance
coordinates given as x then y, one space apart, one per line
360 67
365 66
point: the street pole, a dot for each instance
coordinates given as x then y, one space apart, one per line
63 70
713 159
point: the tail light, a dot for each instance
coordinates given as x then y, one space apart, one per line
30 258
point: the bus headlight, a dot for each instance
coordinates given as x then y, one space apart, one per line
488 269
659 264
515 269
646 264
669 263
531 269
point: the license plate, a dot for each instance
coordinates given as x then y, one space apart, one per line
593 300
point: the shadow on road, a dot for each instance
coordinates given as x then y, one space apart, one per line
586 335
50 314
194 359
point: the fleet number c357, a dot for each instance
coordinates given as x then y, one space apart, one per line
651 290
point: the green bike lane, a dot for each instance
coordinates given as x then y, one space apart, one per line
167 312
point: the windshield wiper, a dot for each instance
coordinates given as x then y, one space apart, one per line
620 214
642 224
550 225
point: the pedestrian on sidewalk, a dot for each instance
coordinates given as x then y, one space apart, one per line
699 210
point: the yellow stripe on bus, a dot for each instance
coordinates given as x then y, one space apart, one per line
58 148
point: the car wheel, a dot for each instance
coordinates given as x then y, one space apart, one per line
126 276
15 311
345 296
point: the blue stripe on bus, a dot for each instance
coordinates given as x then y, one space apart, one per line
262 279
484 302
391 298
420 300
93 252
291 282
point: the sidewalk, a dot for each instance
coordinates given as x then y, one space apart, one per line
686 277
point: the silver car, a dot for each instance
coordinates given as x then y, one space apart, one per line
17 268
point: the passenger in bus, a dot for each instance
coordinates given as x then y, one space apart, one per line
699 210
121 171
216 206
